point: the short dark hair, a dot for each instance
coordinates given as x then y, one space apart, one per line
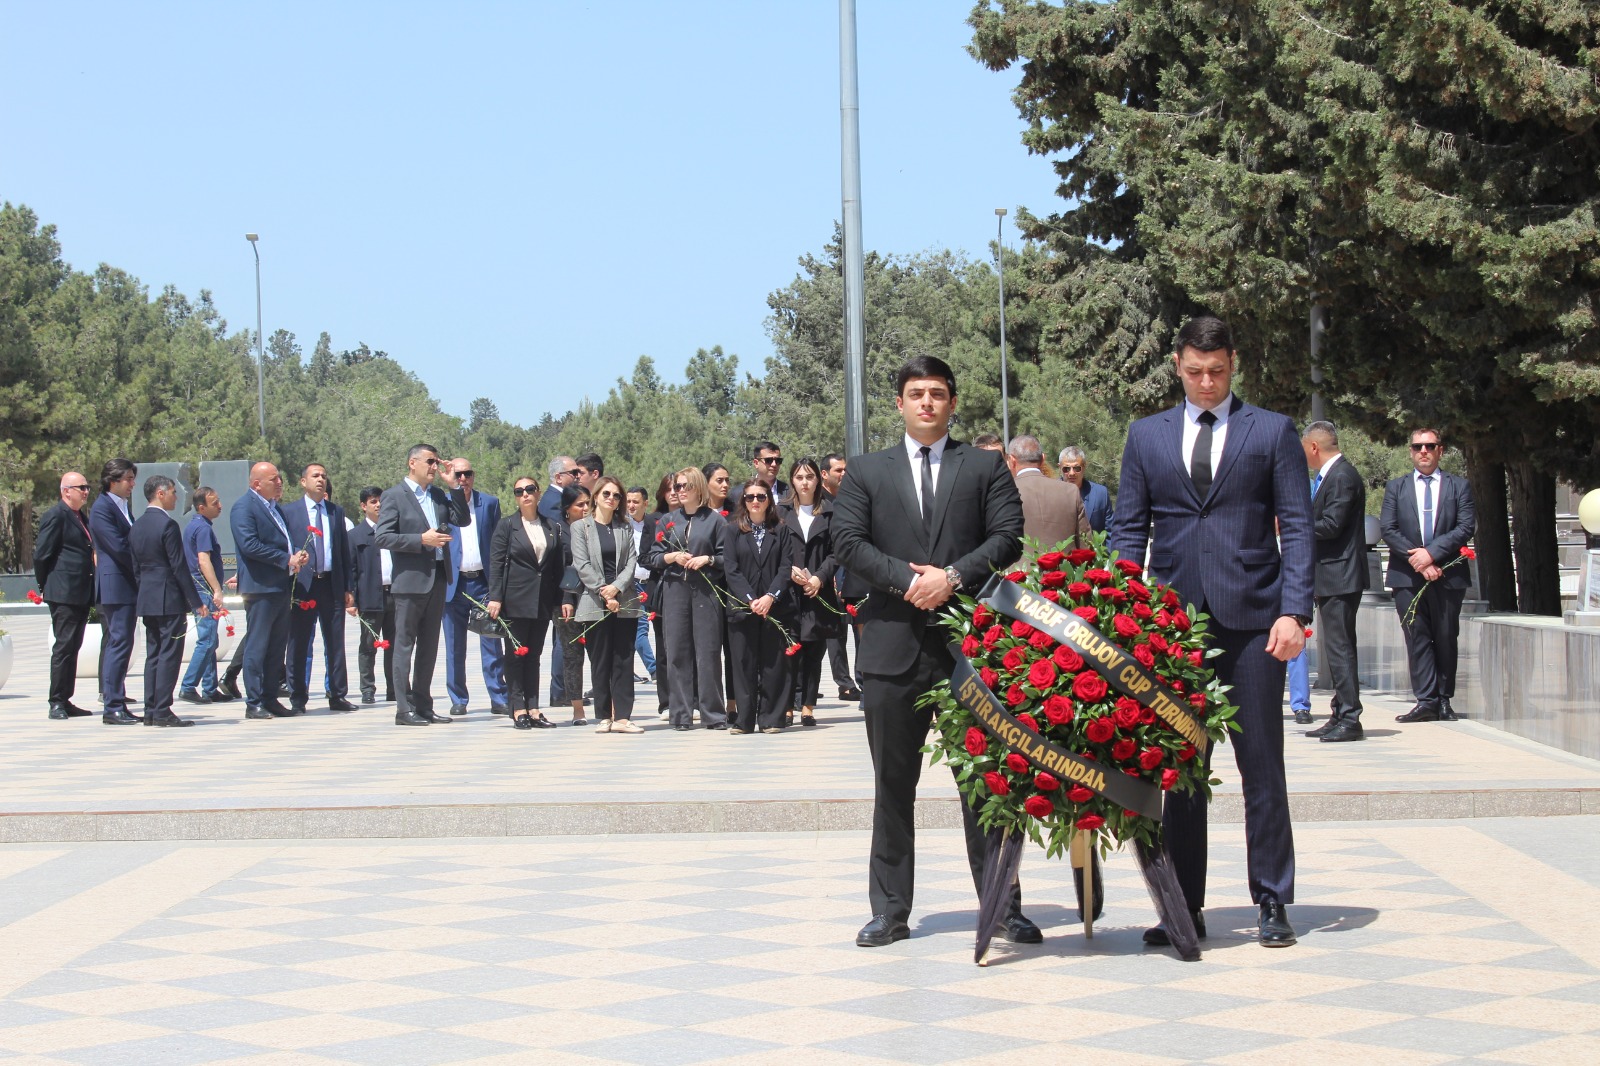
308 466
418 449
371 492
1207 333
988 440
764 446
201 495
924 366
570 495
156 483
741 514
1426 429
661 492
115 470
592 463
641 490
833 457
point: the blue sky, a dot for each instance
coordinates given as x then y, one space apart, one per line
512 199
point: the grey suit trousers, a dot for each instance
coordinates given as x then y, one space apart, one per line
417 623
692 621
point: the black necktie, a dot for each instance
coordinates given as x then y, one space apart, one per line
323 527
1200 458
927 493
1427 508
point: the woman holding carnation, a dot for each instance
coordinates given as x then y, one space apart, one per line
608 609
666 500
818 613
575 501
689 552
759 560
526 559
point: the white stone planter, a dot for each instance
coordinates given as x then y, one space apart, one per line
89 651
5 659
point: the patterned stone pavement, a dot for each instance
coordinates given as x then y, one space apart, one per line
1421 943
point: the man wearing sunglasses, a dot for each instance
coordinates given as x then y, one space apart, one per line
63 561
767 461
469 552
1427 518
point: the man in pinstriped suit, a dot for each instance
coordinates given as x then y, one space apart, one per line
1202 484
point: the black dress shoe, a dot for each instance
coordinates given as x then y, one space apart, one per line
1344 729
717 725
881 932
338 703
523 720
166 719
1302 716
231 687
438 719
62 711
1156 936
368 698
217 695
681 728
851 694
458 709
1276 932
1422 712
297 708
259 714
412 718
1019 930
1447 713
499 708
189 695
74 711
1322 729
277 710
120 718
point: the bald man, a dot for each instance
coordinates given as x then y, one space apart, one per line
268 563
63 562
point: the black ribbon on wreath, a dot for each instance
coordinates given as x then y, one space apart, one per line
1124 674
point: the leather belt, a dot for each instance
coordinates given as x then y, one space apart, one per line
471 573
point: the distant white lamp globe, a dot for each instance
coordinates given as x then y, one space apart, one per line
1589 512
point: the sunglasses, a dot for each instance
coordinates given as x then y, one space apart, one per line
770 460
756 497
1071 469
680 486
526 490
463 473
432 462
611 495
1426 447
85 488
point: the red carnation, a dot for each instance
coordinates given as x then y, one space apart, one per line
1016 763
308 605
1124 749
1080 591
1038 806
1021 629
1129 567
1051 594
672 523
1089 686
583 640
34 597
793 649
992 637
1015 696
1053 579
1079 556
1090 822
1016 577
989 678
1142 612
1079 794
1042 674
520 652
660 537
970 647
1050 560
1468 553
1013 660
1151 757
230 631
1029 721
644 597
997 783
1097 577
1100 730
1067 659
314 531
981 617
1169 777
380 644
1127 714
1040 640
1125 626
723 512
1058 709
1308 632
1088 614
1186 752
977 741
1145 656
1045 782
850 609
652 617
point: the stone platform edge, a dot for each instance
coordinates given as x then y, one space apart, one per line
425 820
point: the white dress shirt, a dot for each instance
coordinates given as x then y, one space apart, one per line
640 574
324 542
806 513
385 560
1322 471
471 551
277 520
1418 486
935 459
1219 432
429 511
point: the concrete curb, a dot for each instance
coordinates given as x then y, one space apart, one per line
724 816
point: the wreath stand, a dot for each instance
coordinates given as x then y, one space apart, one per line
1085 865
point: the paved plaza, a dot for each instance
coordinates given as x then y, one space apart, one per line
332 889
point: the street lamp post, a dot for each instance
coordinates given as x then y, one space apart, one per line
1000 272
261 359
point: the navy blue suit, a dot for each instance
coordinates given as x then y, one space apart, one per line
1097 505
166 595
1221 556
264 550
327 589
117 591
485 517
1432 636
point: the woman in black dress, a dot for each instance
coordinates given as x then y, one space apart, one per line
817 608
526 559
758 562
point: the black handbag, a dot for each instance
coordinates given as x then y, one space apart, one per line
570 581
479 622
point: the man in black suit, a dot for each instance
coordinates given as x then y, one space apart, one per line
116 586
834 466
916 522
412 519
1427 518
372 567
166 595
1203 485
269 560
63 563
1338 521
326 581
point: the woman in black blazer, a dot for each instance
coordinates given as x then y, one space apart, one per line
817 608
526 560
688 553
758 562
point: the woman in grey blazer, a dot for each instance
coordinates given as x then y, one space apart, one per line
608 607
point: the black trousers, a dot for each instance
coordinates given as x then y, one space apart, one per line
839 657
522 671
762 679
1336 626
807 672
367 653
663 667
1431 640
67 620
1257 680
417 624
266 634
693 630
163 659
896 731
610 647
328 616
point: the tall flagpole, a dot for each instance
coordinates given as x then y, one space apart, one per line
855 327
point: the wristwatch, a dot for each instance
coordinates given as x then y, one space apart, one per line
952 575
1303 619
